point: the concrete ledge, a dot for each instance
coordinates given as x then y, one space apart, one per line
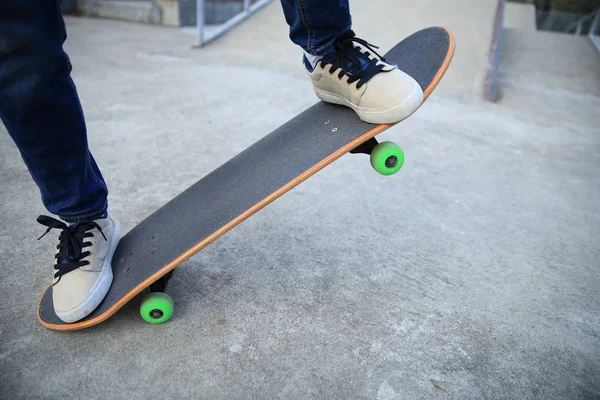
161 12
137 11
490 85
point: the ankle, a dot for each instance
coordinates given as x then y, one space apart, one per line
310 61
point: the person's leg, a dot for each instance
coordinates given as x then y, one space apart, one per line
41 111
315 24
347 70
40 108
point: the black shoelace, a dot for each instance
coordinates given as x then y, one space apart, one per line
352 61
70 244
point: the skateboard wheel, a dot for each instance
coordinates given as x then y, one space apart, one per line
387 158
157 308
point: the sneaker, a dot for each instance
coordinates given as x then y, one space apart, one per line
83 272
354 75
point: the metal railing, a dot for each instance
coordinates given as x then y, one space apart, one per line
578 26
594 29
203 37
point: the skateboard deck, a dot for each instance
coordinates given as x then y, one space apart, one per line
248 182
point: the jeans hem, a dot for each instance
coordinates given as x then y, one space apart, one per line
85 217
328 47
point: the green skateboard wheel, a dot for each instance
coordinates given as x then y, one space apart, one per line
387 158
157 308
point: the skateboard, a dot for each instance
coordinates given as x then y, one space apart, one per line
148 253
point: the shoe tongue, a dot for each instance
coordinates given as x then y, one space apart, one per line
364 50
350 66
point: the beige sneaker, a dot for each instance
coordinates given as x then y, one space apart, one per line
357 77
82 273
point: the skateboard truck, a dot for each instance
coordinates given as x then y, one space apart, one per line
386 157
161 284
365 148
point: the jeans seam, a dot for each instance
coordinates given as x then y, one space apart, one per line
72 84
92 174
306 21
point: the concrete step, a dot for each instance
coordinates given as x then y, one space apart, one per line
127 10
520 16
160 12
549 61
550 81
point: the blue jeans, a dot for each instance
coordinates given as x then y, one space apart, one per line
40 107
41 111
315 24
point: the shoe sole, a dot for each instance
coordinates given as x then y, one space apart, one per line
390 115
100 288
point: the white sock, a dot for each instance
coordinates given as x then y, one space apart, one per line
312 59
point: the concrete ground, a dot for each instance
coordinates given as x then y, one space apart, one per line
473 273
